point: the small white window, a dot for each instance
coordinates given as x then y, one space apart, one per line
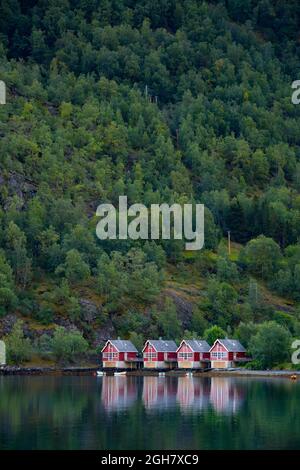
150 356
110 356
185 356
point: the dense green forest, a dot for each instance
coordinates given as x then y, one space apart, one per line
163 101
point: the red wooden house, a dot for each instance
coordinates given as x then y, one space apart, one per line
119 354
193 354
227 353
160 354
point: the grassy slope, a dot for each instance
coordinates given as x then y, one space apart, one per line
183 284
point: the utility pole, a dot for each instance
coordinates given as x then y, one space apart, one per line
229 242
2 92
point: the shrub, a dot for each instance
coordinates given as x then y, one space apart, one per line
213 333
67 345
45 315
19 348
270 345
253 365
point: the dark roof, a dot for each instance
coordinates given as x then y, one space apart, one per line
123 345
163 345
197 345
232 345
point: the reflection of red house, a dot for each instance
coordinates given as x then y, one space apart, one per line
118 392
227 353
193 354
120 354
225 395
159 392
160 354
193 393
186 392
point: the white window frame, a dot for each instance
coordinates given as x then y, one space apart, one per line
217 355
151 356
185 356
110 356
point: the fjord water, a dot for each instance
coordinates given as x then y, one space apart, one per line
149 413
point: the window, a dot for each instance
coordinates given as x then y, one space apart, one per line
151 356
110 356
219 355
185 356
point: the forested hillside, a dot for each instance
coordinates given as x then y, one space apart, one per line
163 101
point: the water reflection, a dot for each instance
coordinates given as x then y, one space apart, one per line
224 395
160 412
159 392
118 393
193 393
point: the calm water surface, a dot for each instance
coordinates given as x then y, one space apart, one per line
149 413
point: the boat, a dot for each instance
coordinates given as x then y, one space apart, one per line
120 373
100 373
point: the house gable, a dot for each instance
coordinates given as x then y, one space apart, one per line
184 348
149 347
229 345
218 347
109 347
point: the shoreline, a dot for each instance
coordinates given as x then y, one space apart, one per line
41 370
92 370
254 373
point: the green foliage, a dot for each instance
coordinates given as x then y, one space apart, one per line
8 299
75 268
168 321
226 270
270 345
189 335
253 365
128 275
199 323
112 280
45 315
68 345
286 280
254 294
245 331
165 103
19 348
131 321
222 301
17 254
285 319
43 345
155 254
59 297
204 262
137 339
212 333
262 256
